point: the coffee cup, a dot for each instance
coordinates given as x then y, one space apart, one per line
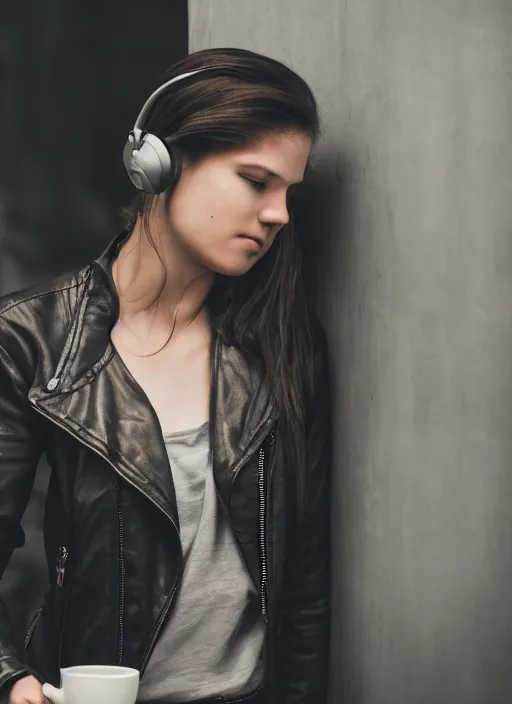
97 684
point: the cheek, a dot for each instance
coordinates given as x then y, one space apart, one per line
208 205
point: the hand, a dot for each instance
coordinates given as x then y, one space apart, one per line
27 690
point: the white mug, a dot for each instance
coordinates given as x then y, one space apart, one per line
97 684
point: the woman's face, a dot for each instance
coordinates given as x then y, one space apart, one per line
223 200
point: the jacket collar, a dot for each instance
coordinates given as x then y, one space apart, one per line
98 401
101 311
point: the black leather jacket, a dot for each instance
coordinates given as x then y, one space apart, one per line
111 524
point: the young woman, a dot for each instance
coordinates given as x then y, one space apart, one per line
178 386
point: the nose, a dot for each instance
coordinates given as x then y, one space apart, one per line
275 212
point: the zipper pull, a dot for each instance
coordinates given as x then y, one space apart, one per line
62 559
53 383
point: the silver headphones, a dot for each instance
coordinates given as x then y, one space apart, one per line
151 164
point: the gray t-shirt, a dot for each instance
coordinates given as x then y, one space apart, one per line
212 643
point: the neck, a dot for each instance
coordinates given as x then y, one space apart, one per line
158 280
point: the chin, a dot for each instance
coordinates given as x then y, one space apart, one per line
232 268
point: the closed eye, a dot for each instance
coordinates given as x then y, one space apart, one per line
257 185
260 186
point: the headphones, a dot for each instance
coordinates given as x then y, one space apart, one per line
151 164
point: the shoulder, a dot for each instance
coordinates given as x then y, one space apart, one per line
39 312
39 294
42 296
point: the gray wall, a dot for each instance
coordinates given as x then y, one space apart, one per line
410 231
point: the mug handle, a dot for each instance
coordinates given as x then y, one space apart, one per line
53 694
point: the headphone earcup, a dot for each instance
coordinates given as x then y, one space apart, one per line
153 167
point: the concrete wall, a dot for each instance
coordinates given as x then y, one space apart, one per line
409 225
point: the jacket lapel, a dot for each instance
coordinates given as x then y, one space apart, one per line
101 405
109 415
242 412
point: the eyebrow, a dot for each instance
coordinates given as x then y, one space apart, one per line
269 172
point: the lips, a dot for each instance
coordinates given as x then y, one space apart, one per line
259 240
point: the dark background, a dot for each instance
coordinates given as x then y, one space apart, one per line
73 77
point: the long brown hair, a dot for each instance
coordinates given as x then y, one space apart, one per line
264 311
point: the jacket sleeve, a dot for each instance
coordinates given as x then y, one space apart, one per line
20 451
305 610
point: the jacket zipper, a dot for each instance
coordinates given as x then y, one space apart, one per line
263 550
60 565
60 568
163 614
263 510
32 627
120 536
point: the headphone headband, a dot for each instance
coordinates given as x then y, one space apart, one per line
161 89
